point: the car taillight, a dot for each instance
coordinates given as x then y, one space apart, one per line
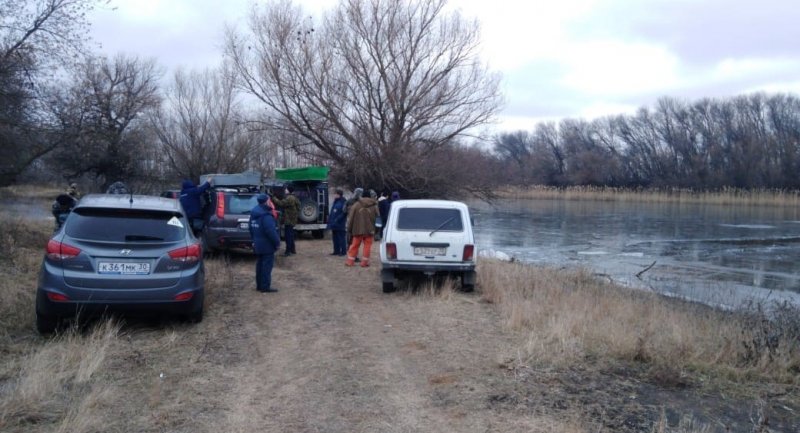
188 254
57 297
469 250
391 251
185 296
220 204
60 251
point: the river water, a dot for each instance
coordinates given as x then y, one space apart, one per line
727 256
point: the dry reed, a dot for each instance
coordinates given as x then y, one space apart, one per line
571 316
724 196
55 384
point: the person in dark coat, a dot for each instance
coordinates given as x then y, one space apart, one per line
265 243
118 187
394 197
62 206
190 199
337 223
383 209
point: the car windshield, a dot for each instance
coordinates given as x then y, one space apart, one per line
125 225
430 219
241 203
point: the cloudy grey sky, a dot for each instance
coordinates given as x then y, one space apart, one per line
558 58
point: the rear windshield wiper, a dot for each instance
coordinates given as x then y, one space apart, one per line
142 238
442 225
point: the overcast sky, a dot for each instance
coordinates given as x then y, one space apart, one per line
558 58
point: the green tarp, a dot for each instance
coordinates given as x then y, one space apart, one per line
302 173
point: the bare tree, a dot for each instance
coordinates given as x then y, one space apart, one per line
201 126
377 89
36 36
102 117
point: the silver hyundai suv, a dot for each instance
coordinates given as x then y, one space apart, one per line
128 253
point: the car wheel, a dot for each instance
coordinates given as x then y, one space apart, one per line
318 234
196 316
46 324
388 287
204 244
468 282
308 211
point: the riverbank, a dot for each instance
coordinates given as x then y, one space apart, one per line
534 349
725 196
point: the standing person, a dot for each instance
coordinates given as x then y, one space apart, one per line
118 187
383 208
291 209
265 242
62 206
395 196
192 205
337 223
361 224
357 194
73 191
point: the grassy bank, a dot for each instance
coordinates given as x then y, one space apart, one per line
572 317
81 380
725 196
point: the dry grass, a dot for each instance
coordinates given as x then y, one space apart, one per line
23 247
55 383
47 192
571 317
725 196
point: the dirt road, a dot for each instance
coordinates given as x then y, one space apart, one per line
330 352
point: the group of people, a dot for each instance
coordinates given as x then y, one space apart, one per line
354 219
353 223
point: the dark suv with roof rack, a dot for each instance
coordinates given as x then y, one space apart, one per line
226 218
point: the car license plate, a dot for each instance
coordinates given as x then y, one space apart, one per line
428 251
124 268
244 226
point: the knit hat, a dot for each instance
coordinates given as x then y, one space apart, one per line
262 198
395 195
372 193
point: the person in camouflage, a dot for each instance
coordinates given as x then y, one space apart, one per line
290 205
117 188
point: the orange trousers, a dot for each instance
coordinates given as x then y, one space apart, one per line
352 252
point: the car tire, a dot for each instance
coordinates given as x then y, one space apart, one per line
388 287
195 317
467 282
207 250
45 324
318 234
308 211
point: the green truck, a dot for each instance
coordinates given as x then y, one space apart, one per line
311 188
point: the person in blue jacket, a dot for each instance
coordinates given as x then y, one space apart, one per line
265 242
192 205
337 224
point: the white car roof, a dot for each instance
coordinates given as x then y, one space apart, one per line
446 204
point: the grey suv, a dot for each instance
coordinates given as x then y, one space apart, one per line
126 253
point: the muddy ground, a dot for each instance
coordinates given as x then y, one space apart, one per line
331 353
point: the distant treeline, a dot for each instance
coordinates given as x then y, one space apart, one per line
746 142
